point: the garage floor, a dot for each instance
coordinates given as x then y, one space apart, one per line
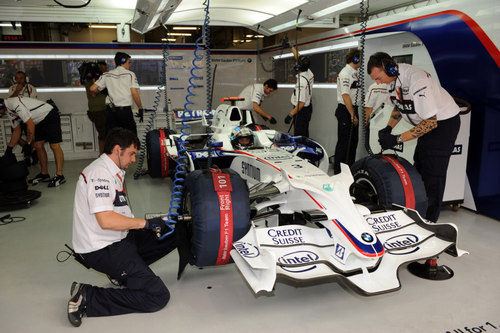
34 287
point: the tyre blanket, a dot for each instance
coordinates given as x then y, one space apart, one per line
303 253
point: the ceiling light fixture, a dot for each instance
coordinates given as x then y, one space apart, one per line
178 34
99 26
184 28
320 49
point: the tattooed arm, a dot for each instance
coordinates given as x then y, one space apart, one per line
423 127
395 118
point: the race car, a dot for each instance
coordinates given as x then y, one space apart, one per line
278 213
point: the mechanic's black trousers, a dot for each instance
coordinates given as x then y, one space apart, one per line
127 261
347 140
432 156
120 117
301 121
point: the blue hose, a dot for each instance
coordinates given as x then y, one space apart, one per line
156 103
182 167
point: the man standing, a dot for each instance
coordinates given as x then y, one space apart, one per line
347 111
107 238
302 96
43 123
123 90
23 89
422 102
376 99
254 94
97 105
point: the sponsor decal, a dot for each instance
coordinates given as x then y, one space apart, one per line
298 258
194 114
297 166
457 150
102 195
175 57
327 187
286 236
176 88
405 90
383 223
367 237
250 171
203 154
102 180
402 244
340 251
247 250
288 147
173 78
101 187
278 157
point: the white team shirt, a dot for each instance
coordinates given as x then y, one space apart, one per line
376 97
119 81
252 93
99 189
21 109
347 83
417 96
305 84
27 91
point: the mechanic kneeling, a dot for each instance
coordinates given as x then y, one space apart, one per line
107 238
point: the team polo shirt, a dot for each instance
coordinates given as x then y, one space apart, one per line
119 81
252 93
21 109
347 83
303 88
99 189
27 91
377 95
417 96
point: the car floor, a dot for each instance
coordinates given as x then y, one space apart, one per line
34 286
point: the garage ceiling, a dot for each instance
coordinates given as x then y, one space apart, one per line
268 16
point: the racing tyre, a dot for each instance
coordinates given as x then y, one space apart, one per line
383 180
160 164
218 216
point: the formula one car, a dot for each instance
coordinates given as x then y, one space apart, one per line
267 200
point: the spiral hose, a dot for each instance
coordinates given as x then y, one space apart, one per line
182 159
363 13
156 103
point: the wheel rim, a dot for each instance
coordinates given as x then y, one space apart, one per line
365 191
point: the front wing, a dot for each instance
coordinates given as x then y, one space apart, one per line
309 254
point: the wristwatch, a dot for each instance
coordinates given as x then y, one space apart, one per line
399 139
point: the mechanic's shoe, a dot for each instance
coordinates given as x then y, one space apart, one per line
39 178
57 180
77 303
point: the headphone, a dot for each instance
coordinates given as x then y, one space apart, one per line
303 64
123 60
355 60
391 68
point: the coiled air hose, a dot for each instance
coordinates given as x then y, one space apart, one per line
182 159
156 103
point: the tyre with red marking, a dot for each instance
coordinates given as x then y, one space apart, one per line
160 164
383 180
218 217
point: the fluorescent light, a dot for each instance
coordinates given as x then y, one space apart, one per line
77 56
178 34
18 25
249 36
320 49
259 36
316 85
99 26
75 89
168 39
335 8
185 28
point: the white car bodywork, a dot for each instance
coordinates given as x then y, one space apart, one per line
346 241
